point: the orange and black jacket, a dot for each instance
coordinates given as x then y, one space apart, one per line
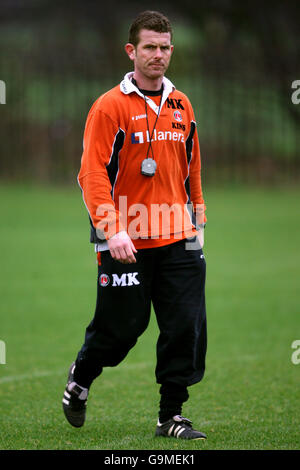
116 141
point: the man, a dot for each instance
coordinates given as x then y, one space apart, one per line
140 179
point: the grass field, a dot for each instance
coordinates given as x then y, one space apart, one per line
249 398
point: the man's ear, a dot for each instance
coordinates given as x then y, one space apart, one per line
130 50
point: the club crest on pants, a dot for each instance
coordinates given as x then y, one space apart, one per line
104 280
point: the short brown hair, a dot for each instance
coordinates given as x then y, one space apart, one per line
151 20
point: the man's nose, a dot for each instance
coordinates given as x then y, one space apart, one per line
158 52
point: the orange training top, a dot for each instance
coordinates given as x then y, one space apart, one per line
154 210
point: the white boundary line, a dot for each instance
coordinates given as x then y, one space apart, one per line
32 375
39 374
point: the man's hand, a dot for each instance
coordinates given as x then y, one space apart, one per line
121 248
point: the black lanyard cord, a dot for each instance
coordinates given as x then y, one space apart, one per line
150 137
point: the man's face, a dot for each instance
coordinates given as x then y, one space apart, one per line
152 54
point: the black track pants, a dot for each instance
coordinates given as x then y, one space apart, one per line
173 279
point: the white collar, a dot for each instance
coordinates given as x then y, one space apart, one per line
127 87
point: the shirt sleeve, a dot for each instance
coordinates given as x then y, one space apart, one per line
101 146
195 178
195 181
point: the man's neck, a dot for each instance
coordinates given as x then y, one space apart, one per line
145 83
148 92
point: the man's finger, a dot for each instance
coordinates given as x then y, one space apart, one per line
130 256
133 247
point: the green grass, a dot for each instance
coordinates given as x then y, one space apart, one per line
249 398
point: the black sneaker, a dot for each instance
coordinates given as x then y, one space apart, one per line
179 427
74 400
